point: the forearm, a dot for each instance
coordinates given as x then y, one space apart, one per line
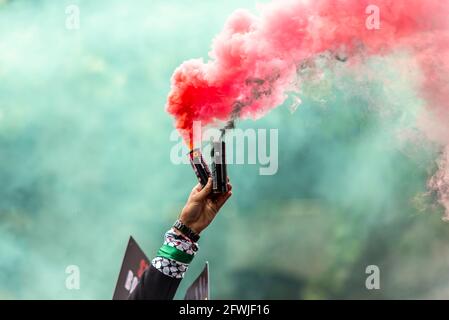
161 279
167 269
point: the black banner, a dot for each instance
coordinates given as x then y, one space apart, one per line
134 264
199 290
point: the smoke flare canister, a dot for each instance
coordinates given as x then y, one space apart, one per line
199 166
219 174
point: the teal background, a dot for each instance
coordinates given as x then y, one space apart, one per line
85 163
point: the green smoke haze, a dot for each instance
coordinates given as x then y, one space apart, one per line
85 163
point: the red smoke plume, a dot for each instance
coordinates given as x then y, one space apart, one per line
255 58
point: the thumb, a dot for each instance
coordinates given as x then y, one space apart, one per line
205 191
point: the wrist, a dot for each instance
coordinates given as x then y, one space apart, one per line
186 218
186 230
191 225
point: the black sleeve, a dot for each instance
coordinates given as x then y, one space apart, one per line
154 285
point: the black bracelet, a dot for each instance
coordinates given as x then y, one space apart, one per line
185 230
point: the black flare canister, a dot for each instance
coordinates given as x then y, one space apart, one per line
199 166
219 174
